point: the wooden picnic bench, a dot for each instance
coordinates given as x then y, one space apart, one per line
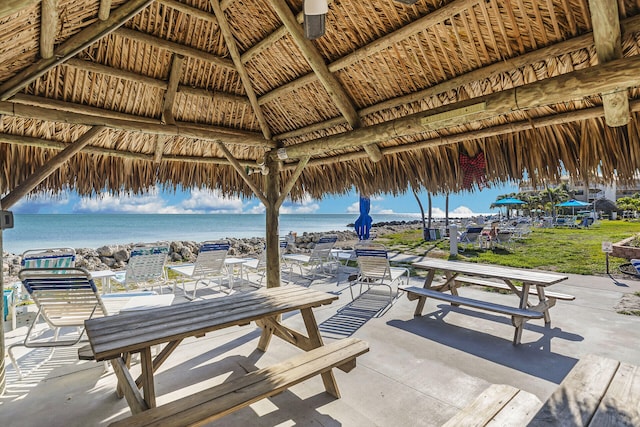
457 272
116 338
216 402
598 391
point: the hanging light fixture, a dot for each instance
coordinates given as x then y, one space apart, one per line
315 13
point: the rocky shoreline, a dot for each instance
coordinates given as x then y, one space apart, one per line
115 257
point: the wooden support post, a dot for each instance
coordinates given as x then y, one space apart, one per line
48 168
272 225
48 27
607 39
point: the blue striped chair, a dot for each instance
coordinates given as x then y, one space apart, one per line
49 258
65 298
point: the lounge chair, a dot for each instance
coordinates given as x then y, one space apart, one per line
209 264
145 267
259 264
320 258
470 237
375 270
49 258
65 298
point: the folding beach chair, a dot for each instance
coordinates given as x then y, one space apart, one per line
375 270
49 258
320 258
65 298
259 264
145 267
470 237
209 265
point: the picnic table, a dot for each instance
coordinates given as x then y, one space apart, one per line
115 338
458 272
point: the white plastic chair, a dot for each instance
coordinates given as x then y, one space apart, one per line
145 267
320 257
65 298
49 258
375 270
209 265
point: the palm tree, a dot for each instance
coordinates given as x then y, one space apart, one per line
555 195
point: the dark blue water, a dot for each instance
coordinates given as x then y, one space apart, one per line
95 230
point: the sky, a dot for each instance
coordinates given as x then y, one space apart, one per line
198 201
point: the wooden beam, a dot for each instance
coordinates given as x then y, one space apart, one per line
48 27
189 130
175 47
9 7
172 88
93 67
104 10
629 26
272 38
272 217
160 142
575 85
607 38
55 145
189 10
437 16
292 180
316 61
225 29
330 83
48 168
243 174
72 46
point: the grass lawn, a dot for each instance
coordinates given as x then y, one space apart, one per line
564 250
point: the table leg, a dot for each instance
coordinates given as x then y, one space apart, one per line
427 285
517 336
543 300
315 338
147 377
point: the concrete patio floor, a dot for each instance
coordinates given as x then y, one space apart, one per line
419 371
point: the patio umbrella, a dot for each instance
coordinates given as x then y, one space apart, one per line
508 201
573 204
364 221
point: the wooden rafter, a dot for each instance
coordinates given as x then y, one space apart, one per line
30 141
161 84
104 10
160 142
629 26
48 27
172 89
333 87
72 46
244 76
575 85
292 180
434 18
607 38
189 10
243 174
189 130
47 169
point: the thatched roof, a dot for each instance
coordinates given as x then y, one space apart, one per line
196 92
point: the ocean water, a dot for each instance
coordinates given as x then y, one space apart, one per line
34 231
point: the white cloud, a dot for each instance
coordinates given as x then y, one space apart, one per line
354 208
205 201
39 201
306 206
150 203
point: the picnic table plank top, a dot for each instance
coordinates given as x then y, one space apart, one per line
484 270
110 336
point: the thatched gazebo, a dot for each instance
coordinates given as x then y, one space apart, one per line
442 95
